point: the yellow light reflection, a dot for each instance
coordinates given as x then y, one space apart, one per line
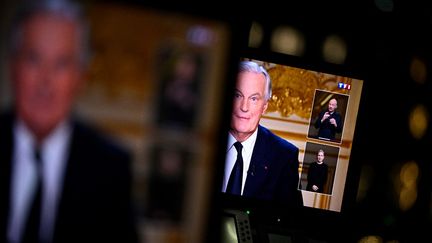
256 35
407 198
334 49
287 40
418 121
371 239
408 176
418 70
366 176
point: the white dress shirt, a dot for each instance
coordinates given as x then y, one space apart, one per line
231 157
54 151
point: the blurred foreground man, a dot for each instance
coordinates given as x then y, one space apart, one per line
60 180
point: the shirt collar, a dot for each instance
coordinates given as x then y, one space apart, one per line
28 140
248 143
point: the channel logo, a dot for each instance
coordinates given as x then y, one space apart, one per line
344 86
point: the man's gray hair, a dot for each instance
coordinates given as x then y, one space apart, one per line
250 66
66 9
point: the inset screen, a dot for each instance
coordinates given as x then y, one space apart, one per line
317 113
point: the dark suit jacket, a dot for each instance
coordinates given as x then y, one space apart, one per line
95 204
273 171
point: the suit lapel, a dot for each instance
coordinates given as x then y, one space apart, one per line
257 171
71 166
66 207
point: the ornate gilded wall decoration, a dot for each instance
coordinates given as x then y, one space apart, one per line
294 89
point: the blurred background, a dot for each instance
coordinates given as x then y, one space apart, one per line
137 48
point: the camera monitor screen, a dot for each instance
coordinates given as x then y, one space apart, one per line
316 112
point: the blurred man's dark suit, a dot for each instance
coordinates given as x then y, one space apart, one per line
95 203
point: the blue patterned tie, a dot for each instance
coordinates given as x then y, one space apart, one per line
235 181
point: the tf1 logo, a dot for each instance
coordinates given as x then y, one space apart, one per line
344 86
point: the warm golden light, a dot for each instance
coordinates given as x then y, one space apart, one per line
408 177
287 40
256 35
418 70
371 239
418 121
367 174
407 198
409 174
334 49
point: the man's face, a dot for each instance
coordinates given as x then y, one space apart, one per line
320 156
332 105
46 72
249 104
